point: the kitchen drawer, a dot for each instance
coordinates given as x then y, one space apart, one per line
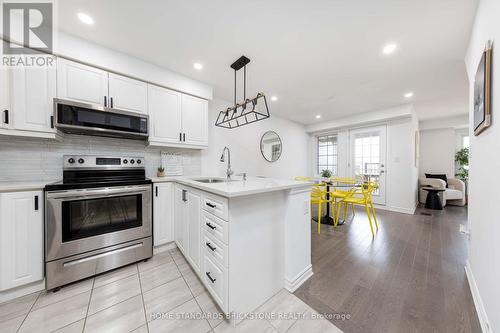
215 226
216 205
215 249
215 279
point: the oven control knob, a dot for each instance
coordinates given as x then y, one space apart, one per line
125 161
139 161
71 160
81 160
132 161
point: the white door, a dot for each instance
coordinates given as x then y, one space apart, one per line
368 147
128 94
180 213
194 120
21 238
81 83
164 115
194 225
163 213
32 92
4 98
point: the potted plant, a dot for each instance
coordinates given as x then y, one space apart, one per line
462 158
326 173
160 172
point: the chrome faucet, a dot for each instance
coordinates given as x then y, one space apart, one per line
229 172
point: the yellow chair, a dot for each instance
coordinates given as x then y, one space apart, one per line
363 197
340 194
319 197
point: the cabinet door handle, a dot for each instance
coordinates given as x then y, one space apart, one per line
184 137
156 190
5 116
36 202
211 205
111 101
180 137
184 195
51 121
211 226
210 277
209 245
105 101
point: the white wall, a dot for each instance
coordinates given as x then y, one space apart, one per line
437 151
484 224
244 143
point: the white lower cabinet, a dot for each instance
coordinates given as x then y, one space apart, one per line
163 213
21 238
203 238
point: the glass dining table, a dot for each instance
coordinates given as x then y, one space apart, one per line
327 218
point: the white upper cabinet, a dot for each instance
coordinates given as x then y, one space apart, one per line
81 83
21 238
194 120
165 115
177 119
32 92
128 94
4 98
163 213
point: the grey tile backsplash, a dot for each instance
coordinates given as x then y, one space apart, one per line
32 159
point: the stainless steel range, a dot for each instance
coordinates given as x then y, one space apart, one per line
97 219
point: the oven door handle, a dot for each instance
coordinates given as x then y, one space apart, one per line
94 194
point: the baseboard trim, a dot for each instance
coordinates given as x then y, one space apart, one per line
409 211
10 294
478 302
299 279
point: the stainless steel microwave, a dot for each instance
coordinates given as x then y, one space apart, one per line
80 118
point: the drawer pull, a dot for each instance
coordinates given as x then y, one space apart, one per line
211 205
209 245
211 226
210 277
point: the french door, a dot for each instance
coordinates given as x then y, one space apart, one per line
367 157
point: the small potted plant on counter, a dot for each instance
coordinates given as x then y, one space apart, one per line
160 172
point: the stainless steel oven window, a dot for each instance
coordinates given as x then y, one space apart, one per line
92 217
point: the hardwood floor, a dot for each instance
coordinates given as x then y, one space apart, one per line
409 278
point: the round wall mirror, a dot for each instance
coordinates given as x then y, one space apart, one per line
270 146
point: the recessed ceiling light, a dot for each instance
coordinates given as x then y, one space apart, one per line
198 66
409 95
389 48
85 18
274 98
318 116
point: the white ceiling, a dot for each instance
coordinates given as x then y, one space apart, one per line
319 57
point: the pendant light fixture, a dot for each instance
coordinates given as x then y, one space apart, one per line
248 111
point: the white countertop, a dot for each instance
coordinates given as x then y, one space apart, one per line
237 187
13 186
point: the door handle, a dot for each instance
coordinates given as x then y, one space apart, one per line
180 137
156 190
51 121
210 277
111 101
105 101
209 245
6 116
211 205
184 137
211 226
36 202
184 195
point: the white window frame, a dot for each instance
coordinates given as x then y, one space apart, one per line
317 172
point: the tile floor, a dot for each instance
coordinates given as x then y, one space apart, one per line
147 297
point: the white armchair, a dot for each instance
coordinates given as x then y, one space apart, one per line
453 195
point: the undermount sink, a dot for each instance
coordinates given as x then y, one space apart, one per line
210 180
